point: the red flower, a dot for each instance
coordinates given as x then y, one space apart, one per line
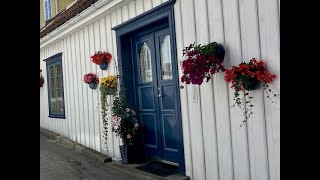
101 57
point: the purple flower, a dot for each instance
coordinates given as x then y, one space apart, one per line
128 109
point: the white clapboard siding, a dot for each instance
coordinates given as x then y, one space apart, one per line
183 96
189 33
233 57
270 52
256 123
215 146
208 113
156 3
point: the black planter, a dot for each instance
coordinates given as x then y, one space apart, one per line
93 85
251 84
103 66
220 52
128 154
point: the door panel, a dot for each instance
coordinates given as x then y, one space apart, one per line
156 94
146 85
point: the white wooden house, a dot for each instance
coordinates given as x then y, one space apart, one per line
209 142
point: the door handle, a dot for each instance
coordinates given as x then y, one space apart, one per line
159 92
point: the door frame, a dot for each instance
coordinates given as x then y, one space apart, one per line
161 12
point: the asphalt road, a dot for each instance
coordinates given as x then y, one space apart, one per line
60 163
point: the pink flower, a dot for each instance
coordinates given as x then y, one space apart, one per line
129 136
114 118
136 125
115 127
128 109
133 112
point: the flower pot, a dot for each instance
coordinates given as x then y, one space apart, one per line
103 66
127 154
251 84
93 85
111 91
220 52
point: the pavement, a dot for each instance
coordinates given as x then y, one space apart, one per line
60 163
64 159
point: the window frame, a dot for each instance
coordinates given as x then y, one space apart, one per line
47 15
52 61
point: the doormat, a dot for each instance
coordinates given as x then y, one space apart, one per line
159 169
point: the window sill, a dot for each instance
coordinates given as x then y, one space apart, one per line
57 116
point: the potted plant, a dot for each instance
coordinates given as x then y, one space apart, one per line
109 84
102 59
41 79
91 79
202 61
249 76
125 124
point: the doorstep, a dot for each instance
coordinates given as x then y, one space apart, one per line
130 170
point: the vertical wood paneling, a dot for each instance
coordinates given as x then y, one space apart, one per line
157 3
95 109
189 32
207 106
256 123
88 64
125 13
233 56
110 136
97 94
66 80
132 9
82 85
78 80
183 94
103 41
147 5
270 53
139 7
75 88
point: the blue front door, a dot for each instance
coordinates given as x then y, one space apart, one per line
156 92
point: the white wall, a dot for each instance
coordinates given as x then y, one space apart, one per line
215 146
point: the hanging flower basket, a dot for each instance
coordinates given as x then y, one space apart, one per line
202 61
102 59
249 76
111 91
91 79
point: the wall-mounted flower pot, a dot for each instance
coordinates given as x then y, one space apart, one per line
251 84
111 91
103 66
93 85
220 52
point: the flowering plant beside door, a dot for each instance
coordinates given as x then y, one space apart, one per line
249 76
124 124
91 79
102 59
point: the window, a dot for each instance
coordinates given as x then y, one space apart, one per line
55 86
47 9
